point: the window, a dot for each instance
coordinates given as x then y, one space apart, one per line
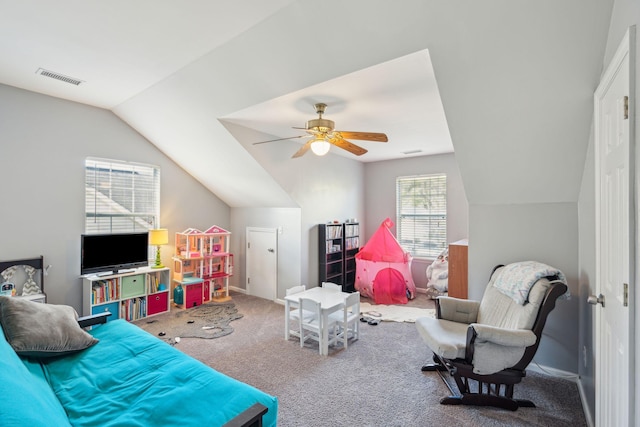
121 197
422 214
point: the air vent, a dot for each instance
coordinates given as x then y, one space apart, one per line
58 76
412 152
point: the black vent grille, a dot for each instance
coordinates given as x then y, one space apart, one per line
58 76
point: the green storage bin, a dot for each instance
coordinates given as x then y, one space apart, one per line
132 286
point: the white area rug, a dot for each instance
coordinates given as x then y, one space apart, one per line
396 313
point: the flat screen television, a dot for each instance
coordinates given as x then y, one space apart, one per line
103 253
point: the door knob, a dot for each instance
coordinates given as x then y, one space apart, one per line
595 300
270 250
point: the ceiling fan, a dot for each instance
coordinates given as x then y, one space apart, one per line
322 136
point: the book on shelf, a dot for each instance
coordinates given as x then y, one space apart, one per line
352 243
332 248
334 231
154 281
133 309
104 291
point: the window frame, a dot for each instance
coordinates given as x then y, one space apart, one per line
129 201
435 224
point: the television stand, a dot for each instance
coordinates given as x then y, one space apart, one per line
116 272
131 294
106 273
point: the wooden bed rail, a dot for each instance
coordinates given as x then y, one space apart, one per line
251 417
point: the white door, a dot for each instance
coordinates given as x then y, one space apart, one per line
262 262
614 241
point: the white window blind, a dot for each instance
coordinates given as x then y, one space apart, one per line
121 197
422 214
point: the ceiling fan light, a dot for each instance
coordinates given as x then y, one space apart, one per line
320 147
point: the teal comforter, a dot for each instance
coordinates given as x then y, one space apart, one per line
130 378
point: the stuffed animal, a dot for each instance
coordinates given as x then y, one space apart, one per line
437 275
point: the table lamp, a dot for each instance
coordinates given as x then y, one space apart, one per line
158 237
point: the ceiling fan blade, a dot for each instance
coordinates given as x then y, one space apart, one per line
280 139
302 150
340 142
366 136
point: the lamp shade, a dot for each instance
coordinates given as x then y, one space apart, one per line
159 236
320 146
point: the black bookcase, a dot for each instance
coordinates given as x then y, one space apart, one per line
351 248
337 246
330 252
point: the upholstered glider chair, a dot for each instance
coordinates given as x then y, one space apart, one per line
486 346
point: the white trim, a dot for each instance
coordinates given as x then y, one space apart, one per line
553 372
585 405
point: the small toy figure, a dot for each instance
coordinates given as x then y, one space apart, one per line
437 275
8 289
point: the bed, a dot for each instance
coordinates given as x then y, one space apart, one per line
58 369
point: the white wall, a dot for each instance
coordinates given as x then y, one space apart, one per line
547 233
43 144
586 280
380 198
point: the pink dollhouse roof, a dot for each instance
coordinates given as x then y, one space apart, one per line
383 246
214 229
191 231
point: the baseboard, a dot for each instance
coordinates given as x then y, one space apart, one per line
571 376
553 372
244 291
585 406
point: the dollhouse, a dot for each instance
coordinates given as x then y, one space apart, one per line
202 266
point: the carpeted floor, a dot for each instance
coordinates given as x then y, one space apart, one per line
395 313
376 381
210 320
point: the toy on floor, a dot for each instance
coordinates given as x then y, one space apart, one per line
438 275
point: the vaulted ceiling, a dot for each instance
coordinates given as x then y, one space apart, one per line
508 84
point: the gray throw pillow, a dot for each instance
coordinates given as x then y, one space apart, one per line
42 330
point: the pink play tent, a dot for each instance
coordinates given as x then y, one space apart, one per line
383 268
